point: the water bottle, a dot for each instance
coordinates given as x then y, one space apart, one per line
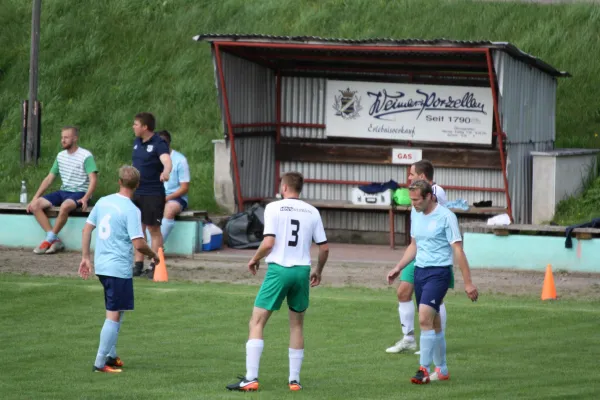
23 197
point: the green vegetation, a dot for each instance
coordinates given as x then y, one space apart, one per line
102 62
584 207
187 341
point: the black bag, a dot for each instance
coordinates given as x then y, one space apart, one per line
245 230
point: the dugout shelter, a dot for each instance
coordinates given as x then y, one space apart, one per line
351 112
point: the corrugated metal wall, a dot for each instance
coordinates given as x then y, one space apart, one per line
365 221
250 91
472 178
527 105
344 172
303 100
256 163
251 95
308 93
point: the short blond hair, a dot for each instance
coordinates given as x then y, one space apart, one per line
129 176
422 186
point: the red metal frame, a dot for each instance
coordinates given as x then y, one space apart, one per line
260 60
277 126
360 48
501 133
448 187
453 74
253 199
293 57
236 173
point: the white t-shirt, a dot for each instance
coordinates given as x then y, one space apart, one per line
295 224
440 194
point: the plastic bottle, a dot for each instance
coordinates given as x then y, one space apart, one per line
23 197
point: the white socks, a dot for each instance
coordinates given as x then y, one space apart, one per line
443 316
406 310
254 348
296 357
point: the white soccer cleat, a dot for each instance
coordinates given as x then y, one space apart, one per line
402 345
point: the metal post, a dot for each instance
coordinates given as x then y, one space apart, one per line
277 126
32 114
236 173
488 56
24 118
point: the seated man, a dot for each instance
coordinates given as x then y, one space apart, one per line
77 170
176 188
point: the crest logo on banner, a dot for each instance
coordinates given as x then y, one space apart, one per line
347 104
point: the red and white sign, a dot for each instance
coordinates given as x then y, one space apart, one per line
406 156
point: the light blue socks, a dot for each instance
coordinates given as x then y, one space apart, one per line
113 350
439 353
427 344
166 227
108 339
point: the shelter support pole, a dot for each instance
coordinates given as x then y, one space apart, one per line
278 125
236 172
392 228
500 132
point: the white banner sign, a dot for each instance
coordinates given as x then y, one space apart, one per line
406 156
399 111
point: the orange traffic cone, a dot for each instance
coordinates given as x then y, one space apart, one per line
160 270
549 290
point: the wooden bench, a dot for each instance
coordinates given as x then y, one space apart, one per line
52 212
534 230
473 212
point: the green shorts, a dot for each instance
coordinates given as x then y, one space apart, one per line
408 275
280 282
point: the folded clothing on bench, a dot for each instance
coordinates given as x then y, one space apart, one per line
375 187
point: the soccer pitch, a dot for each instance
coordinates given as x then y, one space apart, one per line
187 341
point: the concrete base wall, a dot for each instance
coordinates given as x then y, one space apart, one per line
485 250
23 231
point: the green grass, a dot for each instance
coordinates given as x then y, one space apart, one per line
583 206
578 209
102 62
187 341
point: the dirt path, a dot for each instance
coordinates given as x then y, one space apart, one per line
347 267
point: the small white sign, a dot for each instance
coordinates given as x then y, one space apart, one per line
406 156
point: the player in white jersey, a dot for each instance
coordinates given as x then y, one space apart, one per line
291 226
119 226
421 170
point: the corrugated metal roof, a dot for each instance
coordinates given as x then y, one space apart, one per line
442 42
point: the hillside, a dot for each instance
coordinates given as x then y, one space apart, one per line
102 63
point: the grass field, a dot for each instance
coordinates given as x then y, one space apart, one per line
580 208
102 62
186 341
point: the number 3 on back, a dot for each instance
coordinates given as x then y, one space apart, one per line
296 224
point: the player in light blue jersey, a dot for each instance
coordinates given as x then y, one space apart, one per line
435 242
119 226
176 188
